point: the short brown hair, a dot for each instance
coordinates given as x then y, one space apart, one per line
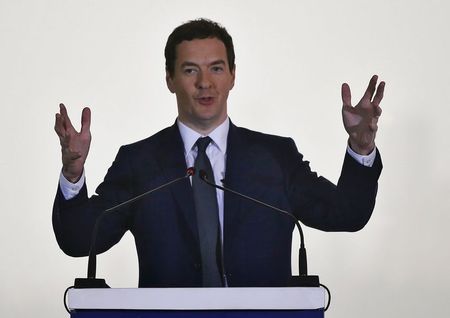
197 29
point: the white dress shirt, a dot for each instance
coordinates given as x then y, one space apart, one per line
216 152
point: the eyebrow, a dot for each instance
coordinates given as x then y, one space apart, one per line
188 63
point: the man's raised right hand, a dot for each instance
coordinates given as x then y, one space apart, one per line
74 145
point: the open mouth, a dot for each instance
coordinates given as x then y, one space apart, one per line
205 100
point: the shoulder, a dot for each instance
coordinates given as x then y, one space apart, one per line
262 147
156 141
256 138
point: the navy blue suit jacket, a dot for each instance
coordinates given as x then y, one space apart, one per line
257 241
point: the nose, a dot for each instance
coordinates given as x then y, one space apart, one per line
203 80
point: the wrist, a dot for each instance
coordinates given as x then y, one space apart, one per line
70 176
361 150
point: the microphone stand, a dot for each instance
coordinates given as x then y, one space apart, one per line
303 279
91 281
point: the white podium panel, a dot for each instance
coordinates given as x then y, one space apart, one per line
248 298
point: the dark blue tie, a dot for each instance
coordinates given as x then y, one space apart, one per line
205 200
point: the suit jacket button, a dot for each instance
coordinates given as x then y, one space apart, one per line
197 266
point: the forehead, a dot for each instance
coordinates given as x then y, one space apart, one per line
201 51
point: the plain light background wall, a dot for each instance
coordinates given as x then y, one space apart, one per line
292 57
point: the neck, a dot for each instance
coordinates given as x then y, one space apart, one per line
203 129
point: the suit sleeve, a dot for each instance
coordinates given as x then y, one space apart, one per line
74 219
320 204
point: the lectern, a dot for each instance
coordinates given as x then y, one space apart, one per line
280 302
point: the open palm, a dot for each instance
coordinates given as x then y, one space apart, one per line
74 145
361 120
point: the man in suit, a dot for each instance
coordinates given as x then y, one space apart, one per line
253 246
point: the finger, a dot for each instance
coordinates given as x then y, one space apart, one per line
373 125
67 124
370 88
378 111
73 155
346 95
379 94
69 156
85 120
58 125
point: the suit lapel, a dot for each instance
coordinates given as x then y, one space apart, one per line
236 162
173 164
239 159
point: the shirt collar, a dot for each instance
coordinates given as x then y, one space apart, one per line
218 135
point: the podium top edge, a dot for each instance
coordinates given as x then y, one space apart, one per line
231 298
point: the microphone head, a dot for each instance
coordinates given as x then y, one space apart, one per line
190 171
203 175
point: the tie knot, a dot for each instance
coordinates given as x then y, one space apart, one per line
202 143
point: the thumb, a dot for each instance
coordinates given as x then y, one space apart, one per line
85 120
346 95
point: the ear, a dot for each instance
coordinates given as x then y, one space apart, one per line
233 76
169 82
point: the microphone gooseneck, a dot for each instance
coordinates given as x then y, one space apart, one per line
91 281
303 264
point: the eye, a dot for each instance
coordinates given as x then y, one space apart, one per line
189 70
217 69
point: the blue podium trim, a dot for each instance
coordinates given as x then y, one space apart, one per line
318 313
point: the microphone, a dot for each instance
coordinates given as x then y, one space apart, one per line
91 281
303 280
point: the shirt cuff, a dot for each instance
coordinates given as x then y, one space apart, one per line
366 161
69 189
